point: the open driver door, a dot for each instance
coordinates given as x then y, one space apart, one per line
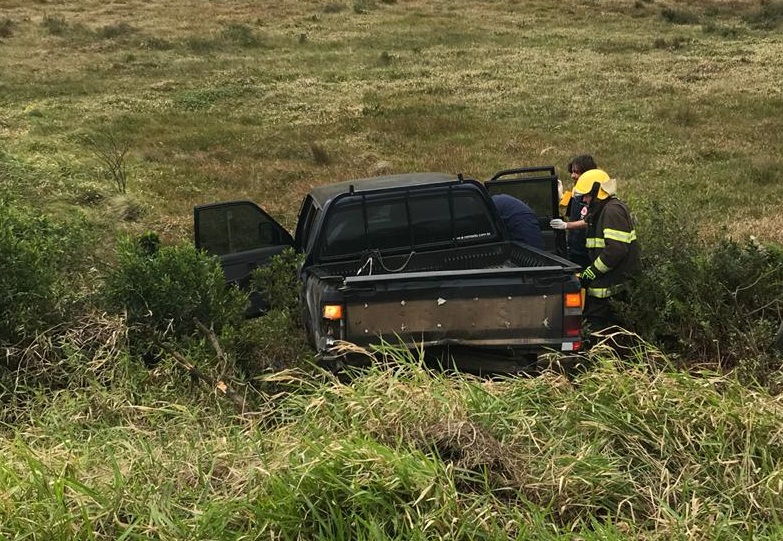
538 187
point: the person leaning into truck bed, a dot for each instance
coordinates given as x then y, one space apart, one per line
520 220
575 225
611 245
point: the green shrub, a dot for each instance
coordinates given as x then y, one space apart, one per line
768 17
278 283
40 259
241 35
6 28
163 288
268 343
712 302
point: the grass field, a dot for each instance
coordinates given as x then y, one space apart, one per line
129 112
263 100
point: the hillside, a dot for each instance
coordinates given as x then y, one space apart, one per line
136 402
262 100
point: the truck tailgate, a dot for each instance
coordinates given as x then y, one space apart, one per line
488 307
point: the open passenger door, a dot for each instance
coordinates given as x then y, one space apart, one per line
242 236
538 187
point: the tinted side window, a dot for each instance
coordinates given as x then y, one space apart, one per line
229 230
535 192
307 215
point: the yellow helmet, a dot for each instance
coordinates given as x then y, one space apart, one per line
587 181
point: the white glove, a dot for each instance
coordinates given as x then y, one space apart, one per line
557 223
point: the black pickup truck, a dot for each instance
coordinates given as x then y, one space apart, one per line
423 259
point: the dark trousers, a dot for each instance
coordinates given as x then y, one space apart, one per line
603 326
599 314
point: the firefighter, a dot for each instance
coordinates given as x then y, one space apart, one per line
612 247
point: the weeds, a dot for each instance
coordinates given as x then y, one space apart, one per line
768 17
6 28
111 152
679 16
400 450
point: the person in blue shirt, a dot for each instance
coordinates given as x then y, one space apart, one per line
520 220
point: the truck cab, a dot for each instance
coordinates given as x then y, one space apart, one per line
243 236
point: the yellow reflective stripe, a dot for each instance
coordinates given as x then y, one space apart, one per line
620 236
604 292
595 243
601 266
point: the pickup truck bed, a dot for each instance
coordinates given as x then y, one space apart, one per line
500 295
501 255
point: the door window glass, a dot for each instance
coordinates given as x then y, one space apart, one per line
231 229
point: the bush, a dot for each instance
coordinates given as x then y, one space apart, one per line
276 340
278 283
718 302
676 16
163 288
268 343
6 28
39 263
768 17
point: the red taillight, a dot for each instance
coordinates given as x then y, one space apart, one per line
572 319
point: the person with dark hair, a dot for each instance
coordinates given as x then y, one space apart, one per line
520 220
575 225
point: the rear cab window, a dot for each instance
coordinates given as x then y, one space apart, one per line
407 220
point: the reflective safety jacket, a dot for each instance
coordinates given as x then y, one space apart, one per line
612 247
